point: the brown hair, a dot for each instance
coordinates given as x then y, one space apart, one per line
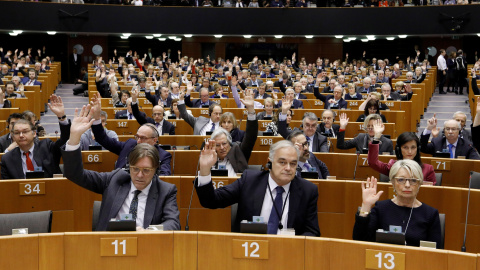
142 150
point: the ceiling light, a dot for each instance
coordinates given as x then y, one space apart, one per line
371 37
126 34
352 38
51 33
188 35
162 39
172 37
402 36
278 36
309 36
346 40
149 37
478 35
364 39
247 36
13 34
340 36
124 37
157 35
17 31
178 39
390 38
218 36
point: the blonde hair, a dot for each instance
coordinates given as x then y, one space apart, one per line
411 166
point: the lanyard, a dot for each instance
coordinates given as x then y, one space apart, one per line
280 225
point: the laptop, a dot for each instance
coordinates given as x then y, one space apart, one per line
35 174
253 227
390 238
122 225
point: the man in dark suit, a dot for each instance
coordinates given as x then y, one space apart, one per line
252 81
451 142
147 133
7 139
264 193
283 83
387 93
235 155
330 87
205 84
139 192
317 142
361 141
75 65
201 125
367 86
158 113
307 161
327 127
260 92
198 103
31 155
162 98
331 102
290 96
31 79
127 113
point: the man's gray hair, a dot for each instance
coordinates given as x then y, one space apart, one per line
310 116
367 79
458 112
459 125
386 86
104 114
219 131
289 90
279 145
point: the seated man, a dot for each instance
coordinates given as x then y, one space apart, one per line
138 192
306 159
297 86
10 90
256 192
367 86
451 143
252 81
146 133
248 91
260 92
204 100
158 113
88 139
4 103
388 95
163 98
317 142
461 117
119 101
30 154
200 124
6 140
381 77
331 102
127 113
290 96
331 85
205 84
327 127
31 79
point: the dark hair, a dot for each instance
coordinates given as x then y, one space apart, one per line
28 115
124 92
142 150
25 122
404 138
14 116
372 103
212 106
294 134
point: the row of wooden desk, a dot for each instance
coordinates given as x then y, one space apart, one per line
337 204
212 251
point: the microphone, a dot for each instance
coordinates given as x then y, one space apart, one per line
174 147
56 134
187 228
464 248
356 162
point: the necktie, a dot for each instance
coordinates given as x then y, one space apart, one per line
274 219
307 166
157 124
29 161
213 127
129 116
308 140
134 205
450 148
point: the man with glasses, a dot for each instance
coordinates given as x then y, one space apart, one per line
331 102
331 85
140 192
450 143
204 100
327 127
307 160
146 133
158 113
388 95
31 154
88 139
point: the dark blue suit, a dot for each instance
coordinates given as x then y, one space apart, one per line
167 127
341 103
297 104
26 79
197 103
237 135
155 98
122 149
249 192
319 165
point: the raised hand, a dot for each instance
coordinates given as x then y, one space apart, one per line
189 88
379 128
208 158
343 120
134 94
234 81
369 194
96 106
56 105
286 105
249 102
182 95
81 122
408 87
432 122
435 132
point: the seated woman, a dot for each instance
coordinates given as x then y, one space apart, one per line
417 220
268 109
119 99
362 140
351 93
218 92
229 123
174 113
408 147
273 126
372 106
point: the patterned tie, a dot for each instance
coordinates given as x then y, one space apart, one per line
213 127
29 162
129 116
450 148
307 166
274 219
134 205
157 124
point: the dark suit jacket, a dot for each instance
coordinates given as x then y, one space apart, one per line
123 113
249 192
301 96
26 79
196 103
265 95
122 149
161 206
341 103
358 96
240 152
335 127
464 148
362 117
321 167
366 90
237 135
397 96
320 142
361 142
155 98
476 136
167 127
46 155
297 104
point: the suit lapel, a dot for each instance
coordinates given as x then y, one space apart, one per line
17 155
259 195
295 196
36 156
120 197
315 143
151 202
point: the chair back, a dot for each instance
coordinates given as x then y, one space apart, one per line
36 222
96 213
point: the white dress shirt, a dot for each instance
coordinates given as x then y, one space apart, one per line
142 202
441 63
208 127
24 159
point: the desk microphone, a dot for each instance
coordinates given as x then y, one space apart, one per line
464 249
56 134
193 188
174 147
356 162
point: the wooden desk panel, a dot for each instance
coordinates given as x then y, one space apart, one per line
19 252
51 251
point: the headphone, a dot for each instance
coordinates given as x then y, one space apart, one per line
211 107
269 165
154 128
398 151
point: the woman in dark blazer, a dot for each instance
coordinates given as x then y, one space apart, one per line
268 109
229 123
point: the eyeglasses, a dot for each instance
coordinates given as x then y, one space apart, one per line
219 145
138 137
136 170
17 133
157 114
307 143
451 129
412 181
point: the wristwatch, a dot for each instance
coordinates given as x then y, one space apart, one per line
62 118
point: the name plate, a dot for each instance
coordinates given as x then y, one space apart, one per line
353 104
218 183
122 124
92 158
250 249
32 188
118 247
203 112
380 259
363 162
441 164
266 141
318 103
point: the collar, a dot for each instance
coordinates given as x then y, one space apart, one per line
144 191
274 184
29 150
454 144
